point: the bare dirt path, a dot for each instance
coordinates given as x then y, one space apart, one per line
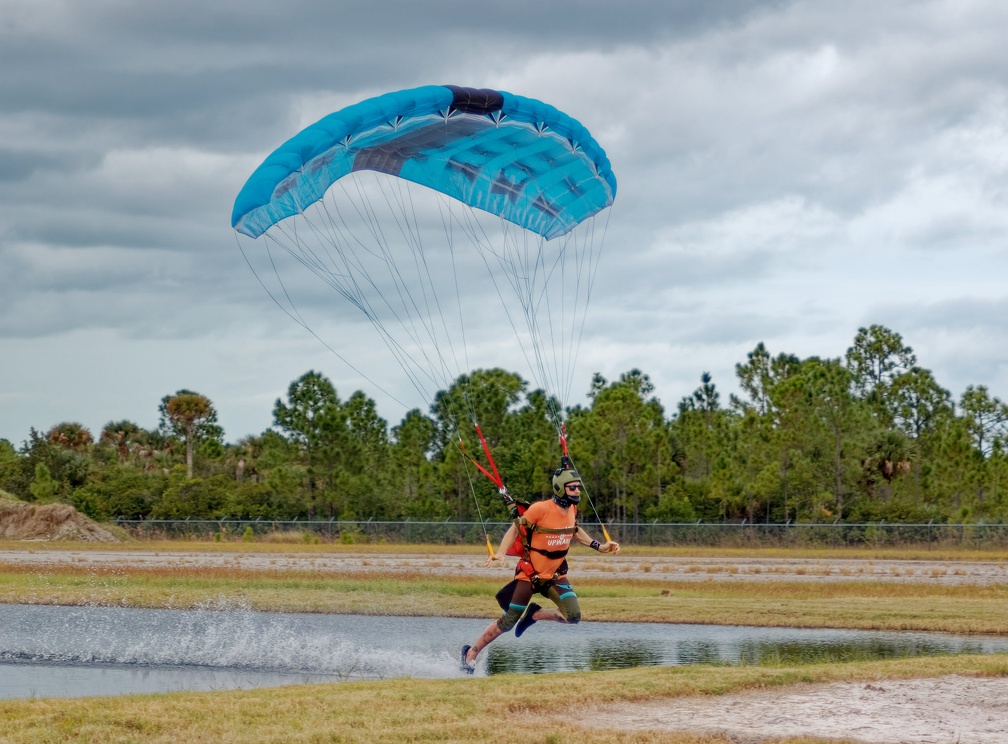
676 568
950 709
946 710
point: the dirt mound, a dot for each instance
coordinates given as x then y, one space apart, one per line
21 521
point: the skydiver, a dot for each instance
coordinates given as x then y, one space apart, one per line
546 530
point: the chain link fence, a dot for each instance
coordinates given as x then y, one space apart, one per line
706 534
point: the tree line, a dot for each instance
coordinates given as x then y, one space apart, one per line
865 437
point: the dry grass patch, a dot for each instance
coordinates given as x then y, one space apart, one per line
293 543
456 710
850 604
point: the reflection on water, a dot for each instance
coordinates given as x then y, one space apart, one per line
74 651
756 652
674 645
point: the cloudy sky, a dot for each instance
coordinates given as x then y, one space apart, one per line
788 172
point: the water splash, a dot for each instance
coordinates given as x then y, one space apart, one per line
224 644
219 635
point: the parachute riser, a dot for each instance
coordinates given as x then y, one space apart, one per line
493 475
567 463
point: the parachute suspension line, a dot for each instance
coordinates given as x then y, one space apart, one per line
552 366
551 344
435 297
473 229
523 262
348 284
550 348
419 312
290 309
578 263
592 257
407 300
514 259
428 281
446 213
467 458
467 402
569 460
504 303
401 199
578 255
477 235
515 270
524 285
579 304
276 273
406 317
295 315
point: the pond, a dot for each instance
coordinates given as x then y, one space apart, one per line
51 651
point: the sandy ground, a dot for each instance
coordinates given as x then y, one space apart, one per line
676 568
951 709
944 709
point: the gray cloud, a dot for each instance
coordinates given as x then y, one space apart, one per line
788 172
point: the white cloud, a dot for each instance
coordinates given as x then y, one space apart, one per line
788 172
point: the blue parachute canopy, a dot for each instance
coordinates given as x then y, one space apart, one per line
514 157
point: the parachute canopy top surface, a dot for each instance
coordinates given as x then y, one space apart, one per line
515 157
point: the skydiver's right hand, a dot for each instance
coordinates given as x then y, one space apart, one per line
493 559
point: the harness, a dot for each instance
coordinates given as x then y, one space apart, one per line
524 542
522 545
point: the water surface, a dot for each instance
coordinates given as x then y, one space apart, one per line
50 651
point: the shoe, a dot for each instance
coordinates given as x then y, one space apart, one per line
526 620
465 660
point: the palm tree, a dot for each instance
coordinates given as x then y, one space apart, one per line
188 414
70 435
122 435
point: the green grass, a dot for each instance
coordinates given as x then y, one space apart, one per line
407 710
293 543
480 709
872 605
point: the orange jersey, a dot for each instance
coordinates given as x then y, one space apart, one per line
553 531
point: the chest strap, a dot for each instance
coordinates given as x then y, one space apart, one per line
527 537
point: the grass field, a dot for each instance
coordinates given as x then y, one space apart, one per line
860 604
480 709
458 710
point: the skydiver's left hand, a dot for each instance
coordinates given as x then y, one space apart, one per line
610 547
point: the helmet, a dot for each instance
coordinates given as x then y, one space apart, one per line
561 478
